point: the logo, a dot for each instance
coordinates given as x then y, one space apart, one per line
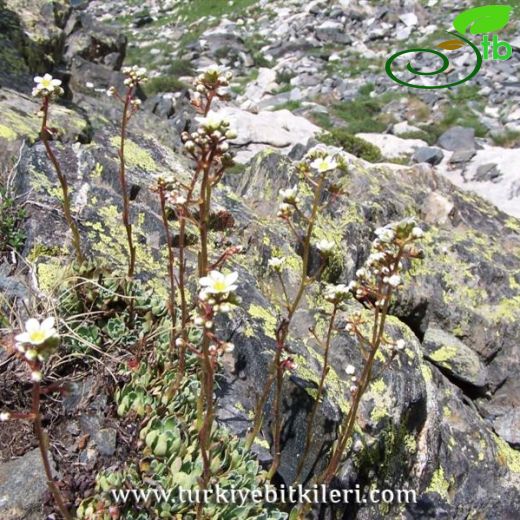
479 21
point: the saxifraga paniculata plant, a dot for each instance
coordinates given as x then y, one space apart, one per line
190 201
135 76
315 171
34 346
47 89
193 316
375 285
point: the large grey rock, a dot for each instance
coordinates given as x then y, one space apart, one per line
23 485
330 31
93 41
280 129
458 138
453 356
508 427
428 155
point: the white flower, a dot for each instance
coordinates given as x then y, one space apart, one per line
325 246
213 70
336 293
400 344
324 164
394 280
289 195
212 122
37 333
46 85
361 273
350 370
417 232
218 283
4 416
385 234
276 263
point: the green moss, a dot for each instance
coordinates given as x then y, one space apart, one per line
7 133
439 484
444 354
43 250
506 455
49 275
269 320
513 224
382 398
108 237
135 155
426 372
508 309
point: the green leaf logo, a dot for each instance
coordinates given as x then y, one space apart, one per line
486 19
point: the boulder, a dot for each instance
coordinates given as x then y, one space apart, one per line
333 32
458 138
454 357
428 155
393 147
23 485
280 129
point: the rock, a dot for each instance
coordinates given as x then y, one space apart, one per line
280 129
23 484
404 128
264 84
409 19
462 156
391 146
437 209
452 355
508 427
36 29
20 122
428 155
458 138
105 440
330 31
492 174
487 172
93 41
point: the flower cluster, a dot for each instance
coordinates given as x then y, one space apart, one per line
218 291
47 87
134 75
37 343
337 294
319 160
211 82
380 275
325 247
213 133
324 164
277 263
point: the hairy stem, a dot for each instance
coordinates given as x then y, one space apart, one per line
284 331
43 444
124 185
44 135
171 266
316 404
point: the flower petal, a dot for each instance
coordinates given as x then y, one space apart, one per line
22 338
232 278
32 325
48 324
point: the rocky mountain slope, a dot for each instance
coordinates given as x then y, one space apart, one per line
444 419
